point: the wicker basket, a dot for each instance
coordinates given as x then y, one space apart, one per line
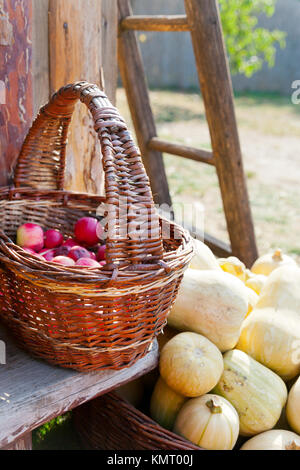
87 319
111 423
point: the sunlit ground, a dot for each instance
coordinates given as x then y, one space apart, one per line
269 128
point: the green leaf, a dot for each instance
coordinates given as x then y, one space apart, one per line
248 45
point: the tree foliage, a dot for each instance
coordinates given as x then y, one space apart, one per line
249 45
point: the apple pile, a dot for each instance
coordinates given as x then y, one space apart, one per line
84 250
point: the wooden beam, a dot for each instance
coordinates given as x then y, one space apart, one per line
109 33
155 23
134 81
16 103
215 83
109 26
76 54
199 155
40 54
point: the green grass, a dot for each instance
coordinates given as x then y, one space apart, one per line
258 98
58 434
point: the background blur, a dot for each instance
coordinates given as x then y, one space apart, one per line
268 122
169 58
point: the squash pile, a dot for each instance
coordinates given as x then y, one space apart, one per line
229 369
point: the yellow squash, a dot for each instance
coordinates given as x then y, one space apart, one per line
212 303
249 274
210 422
256 283
276 439
293 407
165 404
271 334
252 300
234 266
257 393
267 263
190 364
203 257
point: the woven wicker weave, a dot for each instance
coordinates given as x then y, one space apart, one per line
111 423
87 319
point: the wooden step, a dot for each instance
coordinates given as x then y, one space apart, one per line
199 155
32 392
155 23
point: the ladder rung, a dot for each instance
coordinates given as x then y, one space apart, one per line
155 23
218 247
199 155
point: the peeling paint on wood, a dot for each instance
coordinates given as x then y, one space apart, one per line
32 392
15 73
6 31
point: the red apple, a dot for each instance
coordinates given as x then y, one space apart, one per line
78 252
93 256
53 238
63 250
87 263
88 230
64 260
101 253
30 236
32 252
70 242
48 254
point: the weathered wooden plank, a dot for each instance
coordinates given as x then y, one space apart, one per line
216 88
16 106
155 23
75 54
32 392
109 34
24 443
134 81
40 54
199 155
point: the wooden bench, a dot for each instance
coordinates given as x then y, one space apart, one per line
32 392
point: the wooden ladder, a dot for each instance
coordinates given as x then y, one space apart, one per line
203 21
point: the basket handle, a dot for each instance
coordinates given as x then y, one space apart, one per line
133 232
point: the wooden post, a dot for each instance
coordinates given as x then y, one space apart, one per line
75 45
40 54
215 82
109 31
16 103
83 41
135 84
